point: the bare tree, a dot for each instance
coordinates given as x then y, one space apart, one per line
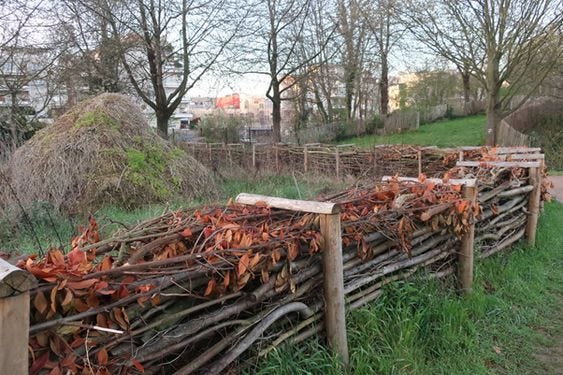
273 49
382 17
355 44
166 47
28 55
92 59
498 41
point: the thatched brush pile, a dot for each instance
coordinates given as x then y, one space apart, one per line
103 152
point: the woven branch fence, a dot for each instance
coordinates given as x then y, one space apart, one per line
338 161
200 291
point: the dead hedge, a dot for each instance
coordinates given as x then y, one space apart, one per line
102 152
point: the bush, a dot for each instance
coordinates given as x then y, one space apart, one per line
375 124
221 127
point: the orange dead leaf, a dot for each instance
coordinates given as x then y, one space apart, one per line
211 285
243 263
103 357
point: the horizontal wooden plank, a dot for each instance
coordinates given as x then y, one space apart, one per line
289 204
501 164
517 150
505 150
522 156
451 181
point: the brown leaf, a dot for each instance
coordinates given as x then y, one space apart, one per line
227 279
211 285
265 275
138 365
54 299
82 284
243 263
255 260
40 302
292 251
103 357
39 363
243 280
67 300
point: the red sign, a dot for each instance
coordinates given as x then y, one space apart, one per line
229 101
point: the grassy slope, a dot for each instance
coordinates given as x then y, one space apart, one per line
423 327
467 131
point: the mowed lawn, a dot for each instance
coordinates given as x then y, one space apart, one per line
466 131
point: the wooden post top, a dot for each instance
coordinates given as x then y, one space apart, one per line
13 280
327 208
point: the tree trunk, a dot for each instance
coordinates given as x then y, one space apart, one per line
276 111
14 126
162 124
276 120
349 93
493 119
384 87
465 77
493 93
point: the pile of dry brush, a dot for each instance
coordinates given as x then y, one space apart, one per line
197 291
101 152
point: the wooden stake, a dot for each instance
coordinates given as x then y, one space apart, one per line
14 318
335 318
533 205
337 157
465 255
305 166
277 155
374 161
253 156
419 156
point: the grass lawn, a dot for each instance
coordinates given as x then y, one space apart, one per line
467 131
511 324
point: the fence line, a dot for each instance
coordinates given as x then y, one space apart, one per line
338 161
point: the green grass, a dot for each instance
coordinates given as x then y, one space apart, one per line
467 131
423 327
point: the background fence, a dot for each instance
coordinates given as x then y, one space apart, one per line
329 160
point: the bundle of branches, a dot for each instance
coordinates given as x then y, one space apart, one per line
190 291
504 198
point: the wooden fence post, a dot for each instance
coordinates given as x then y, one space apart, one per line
337 157
277 155
533 205
254 156
465 255
305 166
14 318
335 316
374 161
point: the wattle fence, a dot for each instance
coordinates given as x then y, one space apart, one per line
186 292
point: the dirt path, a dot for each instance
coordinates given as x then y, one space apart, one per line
557 190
